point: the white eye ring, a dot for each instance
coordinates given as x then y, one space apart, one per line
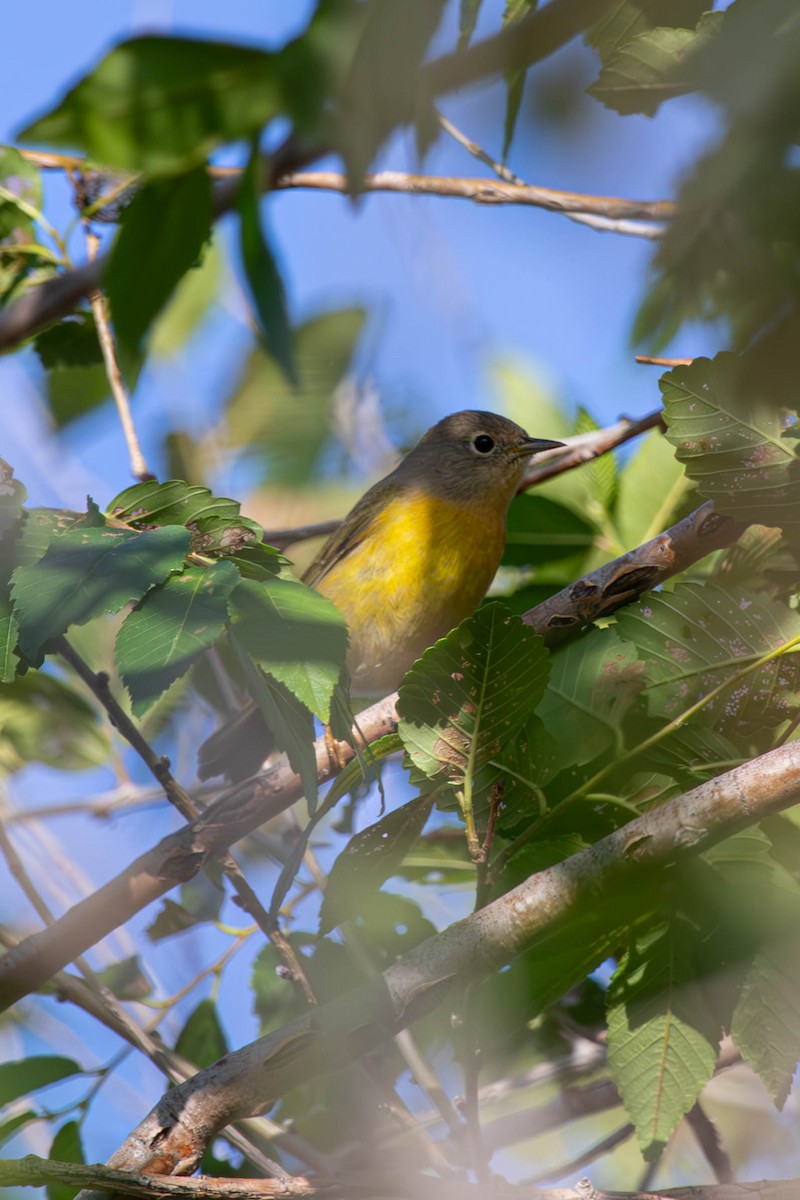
482 443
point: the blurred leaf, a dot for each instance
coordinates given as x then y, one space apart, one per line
662 1038
44 720
730 440
650 68
383 87
276 1000
162 104
294 634
89 571
190 303
462 703
18 1121
288 428
593 682
170 627
467 19
70 343
651 486
515 10
541 531
202 1039
126 979
389 926
163 232
29 1074
74 391
695 637
601 471
263 276
368 859
66 1147
22 181
12 496
201 900
625 20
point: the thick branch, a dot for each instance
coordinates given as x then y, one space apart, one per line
239 811
331 1036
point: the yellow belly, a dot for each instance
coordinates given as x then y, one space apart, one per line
424 566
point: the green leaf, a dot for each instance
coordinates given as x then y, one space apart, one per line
383 85
662 1038
89 571
70 343
162 104
542 531
626 19
18 1121
21 181
9 635
163 233
699 635
284 428
201 900
174 503
263 276
29 1074
66 1147
766 1020
170 628
651 486
202 1039
730 439
368 859
515 10
126 979
650 68
45 720
74 391
190 304
294 634
593 682
466 698
289 721
12 497
467 19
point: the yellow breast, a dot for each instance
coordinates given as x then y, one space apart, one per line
423 566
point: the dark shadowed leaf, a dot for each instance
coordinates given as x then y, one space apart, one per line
126 979
542 531
202 1039
71 343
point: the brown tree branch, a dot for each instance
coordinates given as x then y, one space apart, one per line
33 1171
178 857
327 1038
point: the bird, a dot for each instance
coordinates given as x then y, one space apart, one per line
413 558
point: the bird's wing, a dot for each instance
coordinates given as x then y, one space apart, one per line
351 533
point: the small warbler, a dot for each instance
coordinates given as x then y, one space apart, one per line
408 562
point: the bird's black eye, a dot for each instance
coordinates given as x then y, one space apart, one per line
483 443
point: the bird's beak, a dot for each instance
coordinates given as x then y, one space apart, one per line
536 446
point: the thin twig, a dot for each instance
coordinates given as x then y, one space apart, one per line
139 467
590 1155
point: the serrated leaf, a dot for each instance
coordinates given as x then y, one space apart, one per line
89 571
729 438
766 1020
263 276
593 682
29 1074
662 1039
295 634
651 486
694 638
202 1039
463 701
368 859
286 429
649 69
624 20
173 503
163 233
66 1147
160 104
170 628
